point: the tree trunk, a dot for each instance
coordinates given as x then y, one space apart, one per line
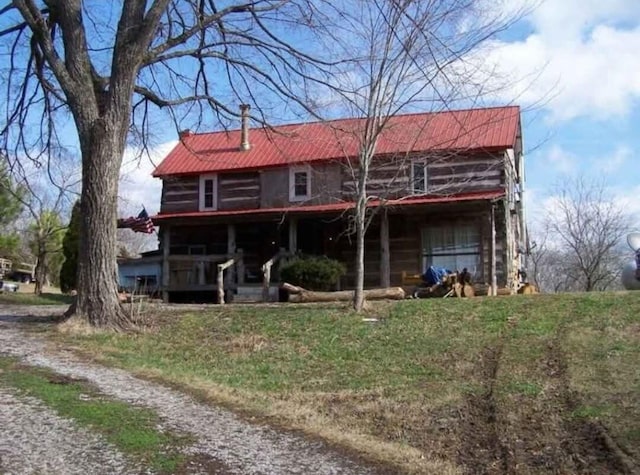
40 272
97 300
385 264
358 294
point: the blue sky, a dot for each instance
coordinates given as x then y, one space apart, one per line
574 67
581 114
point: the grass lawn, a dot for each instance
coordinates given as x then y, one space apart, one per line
23 298
438 386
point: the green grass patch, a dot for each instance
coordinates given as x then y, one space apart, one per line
525 388
18 298
398 379
131 429
592 412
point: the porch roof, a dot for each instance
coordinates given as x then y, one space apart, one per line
333 207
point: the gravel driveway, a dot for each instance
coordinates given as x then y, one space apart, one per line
229 443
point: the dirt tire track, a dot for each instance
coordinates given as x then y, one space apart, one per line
588 443
482 450
537 434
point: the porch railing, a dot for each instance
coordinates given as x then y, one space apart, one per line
267 274
205 272
193 270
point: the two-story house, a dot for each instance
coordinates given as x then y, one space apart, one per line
446 188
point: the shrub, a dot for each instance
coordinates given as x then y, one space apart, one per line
313 272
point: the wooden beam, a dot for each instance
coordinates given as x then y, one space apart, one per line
293 235
231 249
385 265
492 254
231 239
166 245
240 266
220 278
266 280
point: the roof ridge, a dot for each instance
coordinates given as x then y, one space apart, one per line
319 121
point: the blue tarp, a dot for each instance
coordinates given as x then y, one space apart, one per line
434 275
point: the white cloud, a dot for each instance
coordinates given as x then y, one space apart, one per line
534 203
580 59
614 162
137 187
562 161
629 200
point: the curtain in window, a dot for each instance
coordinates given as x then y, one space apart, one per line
454 246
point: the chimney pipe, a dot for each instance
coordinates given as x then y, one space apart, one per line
244 133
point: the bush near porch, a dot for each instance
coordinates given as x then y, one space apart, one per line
313 272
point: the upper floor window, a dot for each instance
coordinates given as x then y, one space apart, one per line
418 176
299 183
208 192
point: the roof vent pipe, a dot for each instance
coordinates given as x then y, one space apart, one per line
244 133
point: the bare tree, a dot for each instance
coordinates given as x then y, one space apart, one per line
547 266
133 244
109 65
44 195
587 230
407 56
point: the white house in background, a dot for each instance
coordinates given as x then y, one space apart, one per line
141 275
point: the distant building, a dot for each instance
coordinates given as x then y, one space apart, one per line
141 275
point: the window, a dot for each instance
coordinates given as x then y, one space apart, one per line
418 177
452 246
299 183
208 192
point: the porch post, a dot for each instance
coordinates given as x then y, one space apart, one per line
385 267
293 235
231 250
231 239
492 253
166 244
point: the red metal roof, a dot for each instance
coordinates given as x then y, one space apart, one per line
334 207
471 129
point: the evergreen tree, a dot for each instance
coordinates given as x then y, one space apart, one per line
9 201
10 208
70 249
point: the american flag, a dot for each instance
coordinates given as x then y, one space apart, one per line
141 224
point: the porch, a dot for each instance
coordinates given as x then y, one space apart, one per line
209 259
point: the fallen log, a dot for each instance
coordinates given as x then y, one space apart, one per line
298 294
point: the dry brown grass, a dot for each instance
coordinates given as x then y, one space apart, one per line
506 385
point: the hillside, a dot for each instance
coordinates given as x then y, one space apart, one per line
526 384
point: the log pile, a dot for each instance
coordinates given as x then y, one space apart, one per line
299 294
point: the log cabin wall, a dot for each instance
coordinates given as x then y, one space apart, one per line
325 186
274 183
390 177
330 182
239 190
511 222
325 183
466 173
180 194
